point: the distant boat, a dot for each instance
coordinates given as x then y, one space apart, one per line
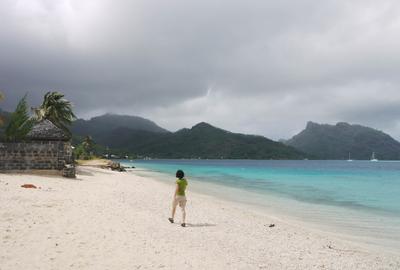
373 158
349 158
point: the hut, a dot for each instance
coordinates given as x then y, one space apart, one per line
47 147
45 130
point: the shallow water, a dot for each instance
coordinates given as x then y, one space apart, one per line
359 198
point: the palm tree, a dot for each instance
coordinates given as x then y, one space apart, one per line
20 122
88 144
56 109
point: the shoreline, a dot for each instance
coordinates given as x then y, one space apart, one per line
113 220
256 202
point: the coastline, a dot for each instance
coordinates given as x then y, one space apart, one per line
113 220
322 219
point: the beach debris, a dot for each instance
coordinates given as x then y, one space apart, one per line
28 186
116 166
330 246
271 225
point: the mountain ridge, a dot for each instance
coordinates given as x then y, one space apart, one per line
102 123
327 141
144 137
202 140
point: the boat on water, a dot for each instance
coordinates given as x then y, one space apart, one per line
373 158
349 160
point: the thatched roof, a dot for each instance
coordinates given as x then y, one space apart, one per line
46 131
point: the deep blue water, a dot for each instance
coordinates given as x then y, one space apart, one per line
352 194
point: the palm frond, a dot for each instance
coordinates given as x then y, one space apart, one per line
20 122
56 109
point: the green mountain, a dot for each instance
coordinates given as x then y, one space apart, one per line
201 141
102 125
337 141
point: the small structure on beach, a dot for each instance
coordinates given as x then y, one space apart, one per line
47 147
45 130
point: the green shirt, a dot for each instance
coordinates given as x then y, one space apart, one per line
182 183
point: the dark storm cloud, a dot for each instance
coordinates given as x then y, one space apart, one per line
251 66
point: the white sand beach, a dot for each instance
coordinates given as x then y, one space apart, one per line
113 220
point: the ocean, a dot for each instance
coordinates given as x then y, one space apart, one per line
358 200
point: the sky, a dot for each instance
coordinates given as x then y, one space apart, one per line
256 67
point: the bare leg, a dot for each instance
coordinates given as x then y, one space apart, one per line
173 209
182 204
183 215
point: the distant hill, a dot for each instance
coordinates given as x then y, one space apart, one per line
101 126
337 141
201 141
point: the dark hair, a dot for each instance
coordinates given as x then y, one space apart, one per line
180 174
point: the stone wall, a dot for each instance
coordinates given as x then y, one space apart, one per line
35 155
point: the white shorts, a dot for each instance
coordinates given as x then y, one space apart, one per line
181 200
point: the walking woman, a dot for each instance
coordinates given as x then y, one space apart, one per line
179 197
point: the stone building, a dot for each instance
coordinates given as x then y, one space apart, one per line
46 148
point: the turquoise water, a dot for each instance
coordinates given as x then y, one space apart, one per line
358 197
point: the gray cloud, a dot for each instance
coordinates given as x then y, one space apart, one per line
261 67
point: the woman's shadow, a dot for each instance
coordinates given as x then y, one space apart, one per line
200 225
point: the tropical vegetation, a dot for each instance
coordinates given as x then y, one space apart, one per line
86 149
56 109
142 138
20 122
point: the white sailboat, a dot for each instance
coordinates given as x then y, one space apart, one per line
349 158
373 158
